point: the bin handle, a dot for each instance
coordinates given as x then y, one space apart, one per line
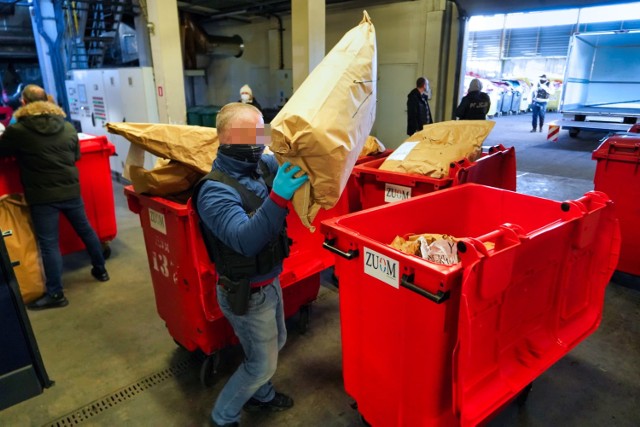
350 254
438 298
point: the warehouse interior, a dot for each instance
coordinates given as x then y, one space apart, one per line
109 355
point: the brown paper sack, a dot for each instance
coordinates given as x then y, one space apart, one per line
325 124
431 150
22 246
193 146
372 146
168 177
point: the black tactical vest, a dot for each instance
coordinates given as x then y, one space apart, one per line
229 263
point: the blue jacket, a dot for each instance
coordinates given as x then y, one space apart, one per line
220 209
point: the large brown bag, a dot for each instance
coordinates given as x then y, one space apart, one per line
22 246
324 126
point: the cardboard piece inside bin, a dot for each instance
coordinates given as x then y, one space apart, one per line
430 151
186 153
372 146
324 126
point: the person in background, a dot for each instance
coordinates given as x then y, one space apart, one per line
540 97
47 149
475 104
242 209
418 111
246 97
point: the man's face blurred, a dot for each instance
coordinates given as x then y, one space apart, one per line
249 129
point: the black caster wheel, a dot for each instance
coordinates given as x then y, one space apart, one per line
573 133
524 395
106 250
209 369
303 321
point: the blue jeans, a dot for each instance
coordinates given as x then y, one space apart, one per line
46 218
539 109
262 334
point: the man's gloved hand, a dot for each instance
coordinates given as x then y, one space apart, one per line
285 184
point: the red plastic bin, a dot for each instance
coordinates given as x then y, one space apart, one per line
618 175
349 202
95 186
184 279
496 168
425 344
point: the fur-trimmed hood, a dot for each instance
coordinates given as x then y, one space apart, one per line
41 116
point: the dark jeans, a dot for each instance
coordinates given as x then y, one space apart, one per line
539 108
45 219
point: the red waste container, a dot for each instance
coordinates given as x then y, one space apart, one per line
618 175
496 168
96 189
184 279
425 344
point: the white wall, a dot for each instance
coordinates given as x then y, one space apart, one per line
406 51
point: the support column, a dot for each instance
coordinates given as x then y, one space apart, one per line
307 37
164 35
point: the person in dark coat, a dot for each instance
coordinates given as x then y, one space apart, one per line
47 149
418 111
475 105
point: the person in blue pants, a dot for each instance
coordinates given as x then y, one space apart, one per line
47 149
541 94
242 205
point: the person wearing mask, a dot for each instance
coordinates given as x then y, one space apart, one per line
540 97
475 104
242 205
47 149
418 111
246 97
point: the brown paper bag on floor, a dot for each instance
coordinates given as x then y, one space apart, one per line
22 246
430 151
325 124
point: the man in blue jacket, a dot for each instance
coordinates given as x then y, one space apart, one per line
242 208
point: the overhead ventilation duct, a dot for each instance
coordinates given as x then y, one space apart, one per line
195 41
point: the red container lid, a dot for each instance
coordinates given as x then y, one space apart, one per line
623 147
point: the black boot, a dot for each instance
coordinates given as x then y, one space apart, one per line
280 402
49 301
100 273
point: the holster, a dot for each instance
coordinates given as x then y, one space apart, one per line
238 294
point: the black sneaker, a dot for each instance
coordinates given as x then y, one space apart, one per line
49 301
280 402
532 130
100 273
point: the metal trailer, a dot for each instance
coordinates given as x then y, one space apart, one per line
602 82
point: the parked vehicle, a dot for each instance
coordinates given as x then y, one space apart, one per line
601 82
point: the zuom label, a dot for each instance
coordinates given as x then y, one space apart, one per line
157 221
393 193
382 267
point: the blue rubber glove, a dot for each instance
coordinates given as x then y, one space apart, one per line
285 184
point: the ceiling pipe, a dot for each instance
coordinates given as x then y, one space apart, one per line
195 41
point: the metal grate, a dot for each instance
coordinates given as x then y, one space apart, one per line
126 393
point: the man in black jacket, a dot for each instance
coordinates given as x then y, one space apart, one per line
418 111
46 148
475 105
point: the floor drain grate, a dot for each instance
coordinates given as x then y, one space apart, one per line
126 393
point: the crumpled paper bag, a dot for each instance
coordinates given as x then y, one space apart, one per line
324 126
430 151
372 146
437 248
22 246
185 153
193 146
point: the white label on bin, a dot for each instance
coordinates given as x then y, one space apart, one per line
382 267
401 152
393 193
157 221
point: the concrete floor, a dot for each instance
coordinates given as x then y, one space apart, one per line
111 355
